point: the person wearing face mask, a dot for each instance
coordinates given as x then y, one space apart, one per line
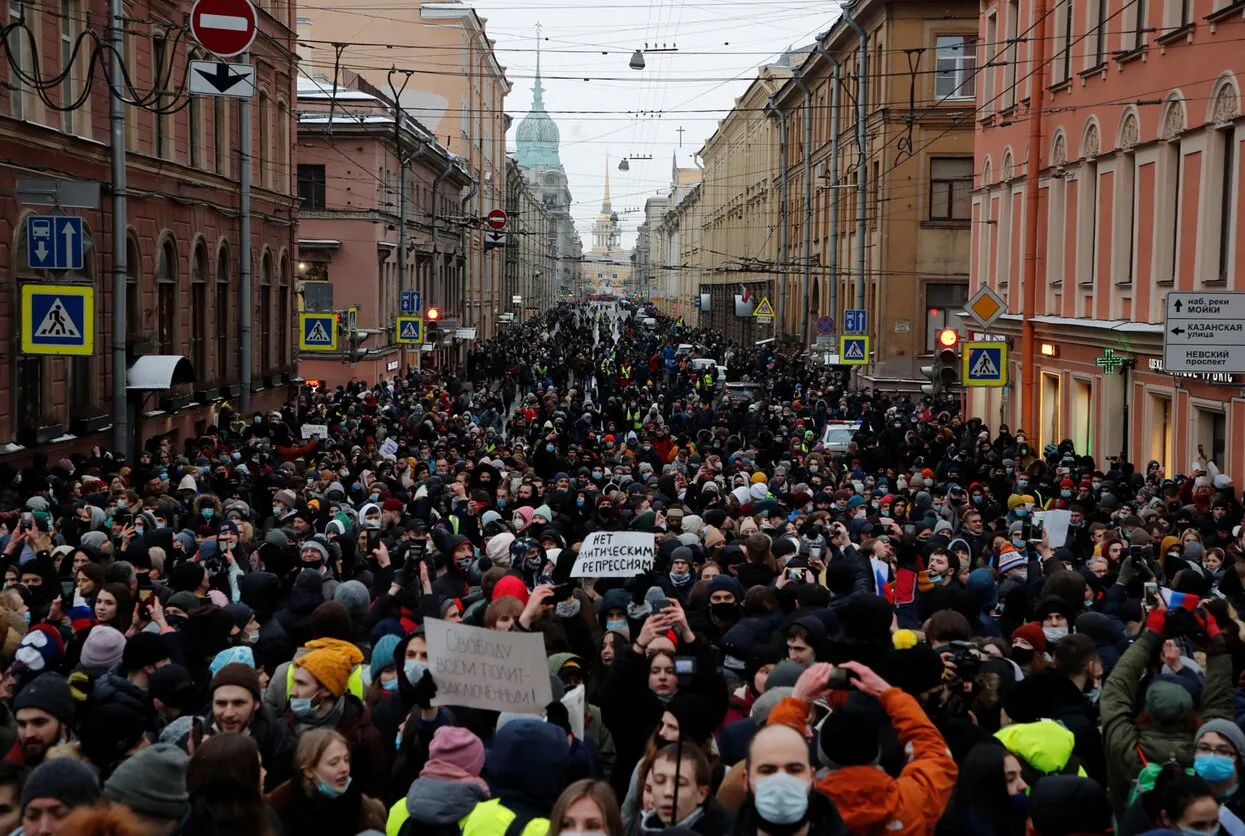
680 579
323 797
457 558
319 699
779 780
991 795
383 671
1217 750
236 706
448 788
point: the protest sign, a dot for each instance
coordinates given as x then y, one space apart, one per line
309 430
614 554
576 704
1056 523
478 668
389 449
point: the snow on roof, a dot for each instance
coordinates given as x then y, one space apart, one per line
310 88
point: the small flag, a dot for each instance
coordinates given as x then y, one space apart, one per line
1179 600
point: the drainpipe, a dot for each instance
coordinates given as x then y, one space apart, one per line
1032 167
462 237
808 202
122 440
436 250
834 179
862 163
773 111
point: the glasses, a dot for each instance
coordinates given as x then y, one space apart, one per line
1222 751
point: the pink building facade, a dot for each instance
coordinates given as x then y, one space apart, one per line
349 180
1139 183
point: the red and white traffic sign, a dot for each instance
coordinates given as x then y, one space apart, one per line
496 219
223 27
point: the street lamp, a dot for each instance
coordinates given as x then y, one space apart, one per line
637 60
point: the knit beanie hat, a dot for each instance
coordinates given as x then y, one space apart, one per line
330 663
240 655
47 692
103 648
513 587
40 649
382 654
1010 559
152 782
142 649
1228 730
849 737
1031 633
68 780
239 674
456 745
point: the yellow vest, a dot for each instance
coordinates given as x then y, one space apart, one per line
490 818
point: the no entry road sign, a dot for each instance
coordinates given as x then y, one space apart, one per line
223 27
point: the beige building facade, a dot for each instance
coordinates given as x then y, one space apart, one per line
674 243
917 179
457 90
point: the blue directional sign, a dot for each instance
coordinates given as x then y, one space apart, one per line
985 364
58 319
54 242
317 331
411 301
855 320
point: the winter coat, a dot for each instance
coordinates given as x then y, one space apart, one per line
1129 745
303 811
873 803
433 806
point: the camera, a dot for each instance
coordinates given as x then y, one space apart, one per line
796 575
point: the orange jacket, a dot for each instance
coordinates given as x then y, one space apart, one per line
870 801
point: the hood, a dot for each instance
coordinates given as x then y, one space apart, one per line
527 763
1045 745
866 797
441 802
260 591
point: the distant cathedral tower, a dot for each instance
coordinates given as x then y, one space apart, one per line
606 234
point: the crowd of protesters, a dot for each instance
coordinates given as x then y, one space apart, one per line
226 636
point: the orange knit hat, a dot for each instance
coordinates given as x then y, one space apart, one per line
330 662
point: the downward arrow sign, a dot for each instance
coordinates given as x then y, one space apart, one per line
222 78
41 251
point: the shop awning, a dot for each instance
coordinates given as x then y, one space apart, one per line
158 372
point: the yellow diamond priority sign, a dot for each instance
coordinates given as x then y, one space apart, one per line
986 306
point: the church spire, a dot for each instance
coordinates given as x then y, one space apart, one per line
538 97
605 202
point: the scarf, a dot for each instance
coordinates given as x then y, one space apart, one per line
329 721
446 771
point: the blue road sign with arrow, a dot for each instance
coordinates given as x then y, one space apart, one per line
855 320
54 242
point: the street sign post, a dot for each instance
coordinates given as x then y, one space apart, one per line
985 306
352 319
494 238
855 321
825 326
985 364
1204 332
54 242
317 331
409 330
224 28
853 350
410 301
218 78
764 309
65 194
58 319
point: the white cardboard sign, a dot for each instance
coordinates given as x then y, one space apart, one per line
615 554
478 668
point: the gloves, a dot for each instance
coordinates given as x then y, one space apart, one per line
1206 622
1156 621
425 690
1128 571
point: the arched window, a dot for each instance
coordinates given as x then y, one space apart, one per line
263 154
166 299
283 313
222 315
194 124
133 289
199 309
265 314
281 158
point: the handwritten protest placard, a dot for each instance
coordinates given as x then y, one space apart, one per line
478 668
309 430
614 554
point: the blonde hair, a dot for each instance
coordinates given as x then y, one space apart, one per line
312 746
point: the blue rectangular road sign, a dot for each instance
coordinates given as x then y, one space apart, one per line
855 321
58 319
985 364
54 242
411 301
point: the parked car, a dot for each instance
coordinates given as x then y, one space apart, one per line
838 435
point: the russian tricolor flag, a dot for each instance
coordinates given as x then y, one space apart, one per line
1178 600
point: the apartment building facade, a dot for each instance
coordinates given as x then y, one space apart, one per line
350 171
899 246
183 300
456 89
1138 194
533 248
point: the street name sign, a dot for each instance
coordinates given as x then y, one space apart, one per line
1204 332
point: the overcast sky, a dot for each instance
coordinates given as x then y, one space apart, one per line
720 43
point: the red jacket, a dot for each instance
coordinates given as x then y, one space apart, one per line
871 802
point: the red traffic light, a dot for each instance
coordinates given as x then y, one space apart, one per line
433 314
948 338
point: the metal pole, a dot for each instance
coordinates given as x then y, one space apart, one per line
808 202
244 248
121 439
834 181
782 210
862 163
1033 167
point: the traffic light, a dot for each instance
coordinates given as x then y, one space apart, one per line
944 374
432 328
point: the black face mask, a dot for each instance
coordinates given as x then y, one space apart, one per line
1023 655
727 611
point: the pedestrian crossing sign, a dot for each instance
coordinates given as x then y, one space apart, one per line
317 332
985 364
58 319
853 350
410 330
764 308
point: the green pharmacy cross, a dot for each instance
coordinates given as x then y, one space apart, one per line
1110 362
